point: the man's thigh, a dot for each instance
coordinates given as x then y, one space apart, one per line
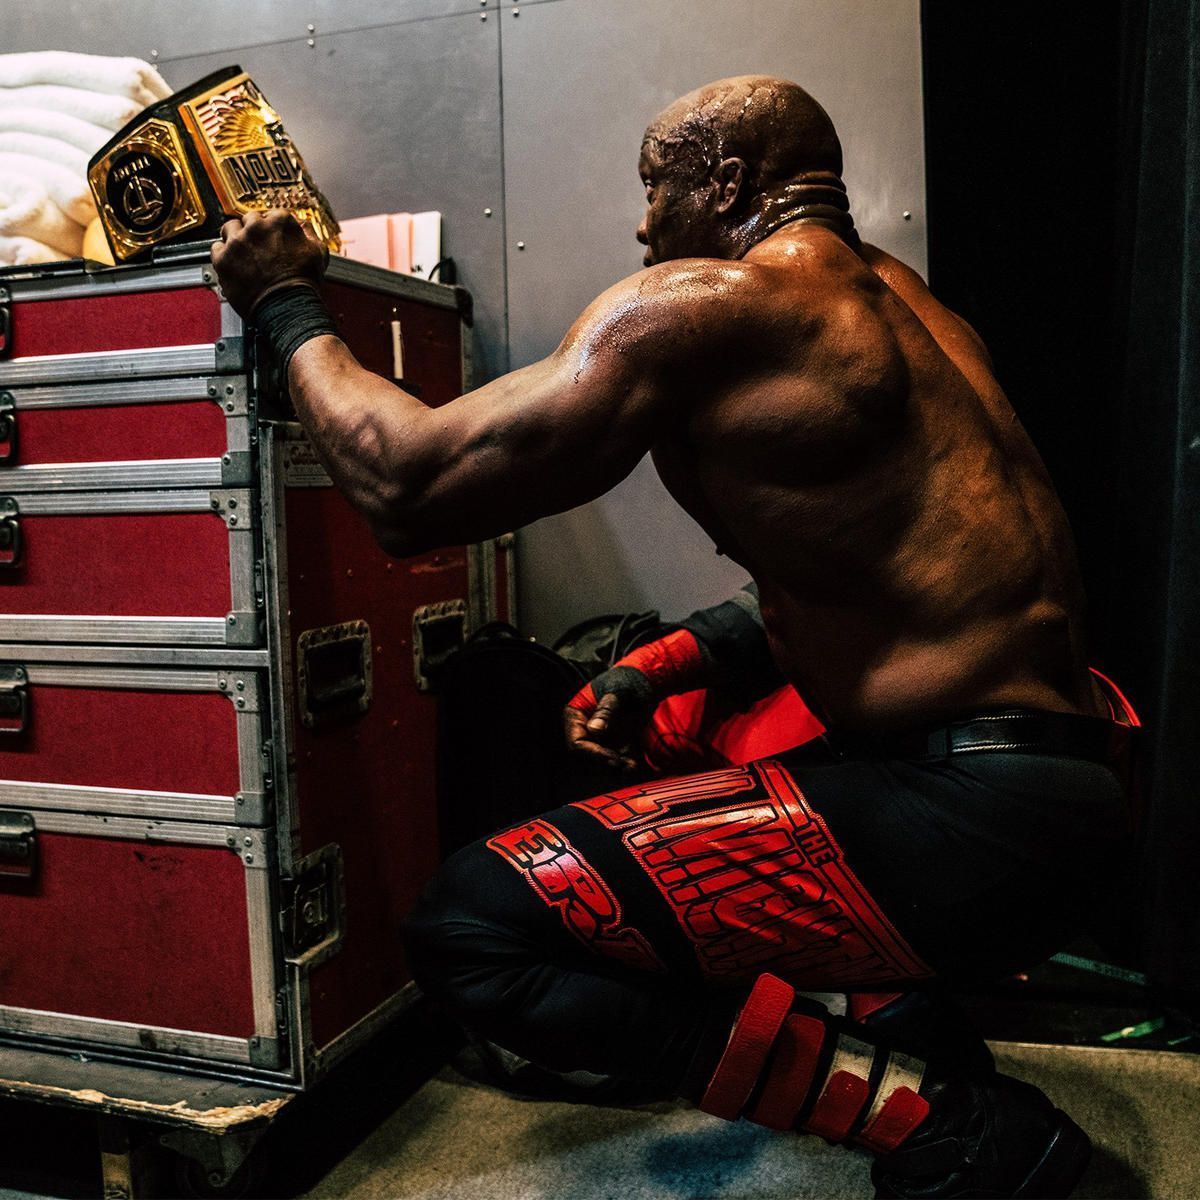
835 875
719 876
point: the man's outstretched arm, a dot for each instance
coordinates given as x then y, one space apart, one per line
537 441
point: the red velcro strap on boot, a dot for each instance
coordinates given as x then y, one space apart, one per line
838 1106
901 1113
862 1004
750 1042
792 1069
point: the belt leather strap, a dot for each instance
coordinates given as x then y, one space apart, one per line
1002 731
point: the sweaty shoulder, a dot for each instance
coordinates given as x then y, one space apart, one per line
671 312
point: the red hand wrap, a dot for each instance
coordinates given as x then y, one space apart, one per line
672 664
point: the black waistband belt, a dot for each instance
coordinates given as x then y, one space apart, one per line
1007 731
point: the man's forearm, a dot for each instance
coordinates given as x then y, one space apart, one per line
361 427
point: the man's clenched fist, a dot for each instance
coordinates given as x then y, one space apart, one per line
262 252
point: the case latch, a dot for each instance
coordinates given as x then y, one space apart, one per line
14 700
333 677
5 324
18 845
314 908
11 545
8 427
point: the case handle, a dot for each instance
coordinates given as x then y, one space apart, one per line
334 672
14 700
8 428
18 847
12 545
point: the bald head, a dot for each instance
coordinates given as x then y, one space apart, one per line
732 162
773 125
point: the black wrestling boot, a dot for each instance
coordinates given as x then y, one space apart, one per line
932 1027
789 1065
1003 1138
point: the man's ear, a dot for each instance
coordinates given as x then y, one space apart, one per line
730 180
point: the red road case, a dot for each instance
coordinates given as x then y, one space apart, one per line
216 732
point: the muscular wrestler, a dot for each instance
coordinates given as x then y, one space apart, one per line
838 432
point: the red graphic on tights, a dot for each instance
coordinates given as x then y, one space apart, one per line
761 884
634 805
565 880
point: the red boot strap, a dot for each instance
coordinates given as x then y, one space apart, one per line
860 1005
845 1093
750 1041
900 1115
791 1074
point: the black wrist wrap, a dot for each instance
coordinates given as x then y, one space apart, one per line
290 317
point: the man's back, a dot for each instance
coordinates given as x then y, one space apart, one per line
854 452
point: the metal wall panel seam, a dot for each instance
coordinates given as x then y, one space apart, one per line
492 7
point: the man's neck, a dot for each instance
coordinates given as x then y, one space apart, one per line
813 201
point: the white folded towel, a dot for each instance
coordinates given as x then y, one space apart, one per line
48 148
119 76
19 251
83 135
68 189
98 108
26 210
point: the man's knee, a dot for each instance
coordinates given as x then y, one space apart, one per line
462 943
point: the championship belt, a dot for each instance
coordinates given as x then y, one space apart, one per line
184 166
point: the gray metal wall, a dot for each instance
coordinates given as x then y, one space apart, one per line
535 111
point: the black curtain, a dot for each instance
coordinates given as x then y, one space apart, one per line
1152 621
1063 176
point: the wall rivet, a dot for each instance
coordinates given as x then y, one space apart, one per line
312 41
516 12
520 245
153 53
312 29
487 212
907 215
483 16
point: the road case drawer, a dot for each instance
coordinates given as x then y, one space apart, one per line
152 937
182 743
169 567
82 327
189 431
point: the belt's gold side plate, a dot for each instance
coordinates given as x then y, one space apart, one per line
144 189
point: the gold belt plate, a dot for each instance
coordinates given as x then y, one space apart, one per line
251 161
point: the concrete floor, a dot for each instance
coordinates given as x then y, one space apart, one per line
457 1140
385 1137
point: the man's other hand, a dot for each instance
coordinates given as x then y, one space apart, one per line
263 252
603 734
605 719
